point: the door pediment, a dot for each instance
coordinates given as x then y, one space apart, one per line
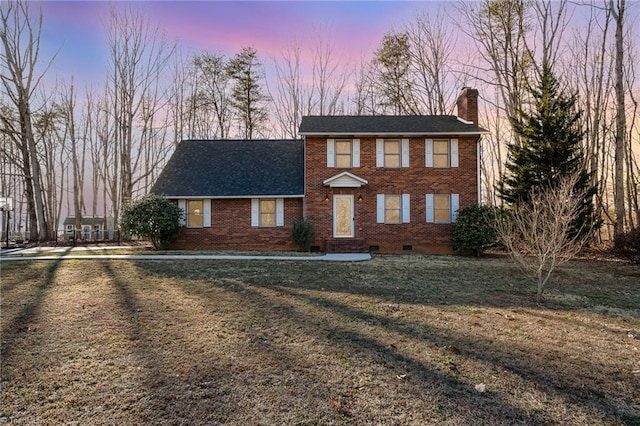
345 180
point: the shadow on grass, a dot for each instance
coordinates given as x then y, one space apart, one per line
166 390
567 385
459 401
415 284
27 317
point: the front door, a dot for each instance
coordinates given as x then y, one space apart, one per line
343 216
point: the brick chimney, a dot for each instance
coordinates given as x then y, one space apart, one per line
468 105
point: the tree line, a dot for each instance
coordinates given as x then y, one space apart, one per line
89 151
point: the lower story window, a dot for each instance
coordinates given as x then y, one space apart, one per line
442 208
194 213
393 208
267 212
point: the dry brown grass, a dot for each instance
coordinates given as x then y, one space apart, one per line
397 340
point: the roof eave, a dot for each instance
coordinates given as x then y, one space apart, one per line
475 133
226 197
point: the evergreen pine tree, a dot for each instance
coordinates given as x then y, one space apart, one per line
550 148
247 96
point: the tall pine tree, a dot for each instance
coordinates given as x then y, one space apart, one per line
550 149
247 96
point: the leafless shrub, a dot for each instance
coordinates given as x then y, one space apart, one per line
539 233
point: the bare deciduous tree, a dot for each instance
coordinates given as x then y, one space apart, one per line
329 79
213 89
138 55
431 47
288 96
499 28
20 37
538 234
618 12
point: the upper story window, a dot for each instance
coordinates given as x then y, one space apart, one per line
441 153
392 153
343 153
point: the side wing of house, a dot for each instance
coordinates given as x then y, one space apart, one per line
235 194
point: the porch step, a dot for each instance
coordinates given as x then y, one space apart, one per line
346 245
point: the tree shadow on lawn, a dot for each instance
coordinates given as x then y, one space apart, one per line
293 281
569 385
460 401
169 393
28 317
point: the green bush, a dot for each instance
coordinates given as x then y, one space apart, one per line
303 234
474 231
154 218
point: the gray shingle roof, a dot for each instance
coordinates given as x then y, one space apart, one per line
71 220
233 168
386 124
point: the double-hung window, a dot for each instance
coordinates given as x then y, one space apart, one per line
442 208
343 153
393 208
392 153
196 213
267 212
441 153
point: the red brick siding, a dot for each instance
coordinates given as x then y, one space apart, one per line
231 228
416 180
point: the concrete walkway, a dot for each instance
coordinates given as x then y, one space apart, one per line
65 253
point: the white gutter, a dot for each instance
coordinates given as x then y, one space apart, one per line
218 197
486 132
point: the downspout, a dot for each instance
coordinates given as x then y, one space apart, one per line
479 168
304 189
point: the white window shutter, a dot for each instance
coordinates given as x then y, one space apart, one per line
455 206
454 152
279 212
429 208
380 207
428 153
331 152
206 212
183 206
255 212
379 152
356 152
406 208
405 152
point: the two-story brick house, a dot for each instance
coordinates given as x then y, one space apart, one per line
380 183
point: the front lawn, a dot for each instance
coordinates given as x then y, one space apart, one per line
398 340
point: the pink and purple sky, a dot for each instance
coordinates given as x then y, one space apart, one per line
76 29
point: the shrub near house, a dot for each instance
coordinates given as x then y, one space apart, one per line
387 183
